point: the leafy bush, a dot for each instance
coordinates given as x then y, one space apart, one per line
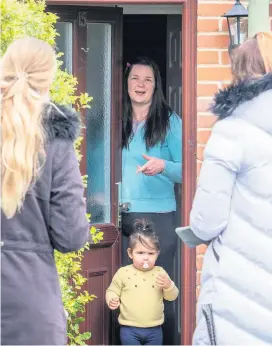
29 18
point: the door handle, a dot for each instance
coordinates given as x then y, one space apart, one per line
122 207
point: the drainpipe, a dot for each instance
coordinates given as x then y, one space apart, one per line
258 16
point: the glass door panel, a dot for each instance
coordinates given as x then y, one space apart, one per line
64 44
98 133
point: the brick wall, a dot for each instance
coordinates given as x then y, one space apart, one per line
213 73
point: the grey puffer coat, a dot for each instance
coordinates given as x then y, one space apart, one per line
52 217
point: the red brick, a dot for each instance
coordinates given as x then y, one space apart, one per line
199 262
214 74
203 136
203 104
206 121
207 25
206 89
225 25
198 278
200 151
201 249
197 292
225 85
207 57
198 168
213 10
213 41
225 58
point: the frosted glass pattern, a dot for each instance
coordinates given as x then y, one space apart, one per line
64 44
98 121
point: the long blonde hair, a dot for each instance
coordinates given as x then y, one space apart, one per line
26 72
253 58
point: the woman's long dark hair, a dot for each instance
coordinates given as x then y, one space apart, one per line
157 122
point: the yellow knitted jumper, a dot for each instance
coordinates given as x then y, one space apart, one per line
141 298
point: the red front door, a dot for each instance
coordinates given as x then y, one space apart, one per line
90 40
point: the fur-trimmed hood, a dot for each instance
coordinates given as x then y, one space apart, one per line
228 99
61 122
250 100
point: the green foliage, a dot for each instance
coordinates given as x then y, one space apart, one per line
73 297
64 88
28 18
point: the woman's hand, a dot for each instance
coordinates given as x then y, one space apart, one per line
153 166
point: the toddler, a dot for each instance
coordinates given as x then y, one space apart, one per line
139 290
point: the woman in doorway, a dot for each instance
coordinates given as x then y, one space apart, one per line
151 164
42 204
232 208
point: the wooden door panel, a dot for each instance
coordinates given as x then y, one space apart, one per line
99 267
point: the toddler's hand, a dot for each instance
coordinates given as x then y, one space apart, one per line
114 303
163 281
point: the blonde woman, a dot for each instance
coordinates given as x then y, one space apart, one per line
42 205
233 206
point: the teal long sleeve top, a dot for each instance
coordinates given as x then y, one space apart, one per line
153 193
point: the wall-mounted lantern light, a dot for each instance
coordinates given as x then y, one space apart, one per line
237 18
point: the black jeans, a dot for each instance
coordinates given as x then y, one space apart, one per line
141 336
164 226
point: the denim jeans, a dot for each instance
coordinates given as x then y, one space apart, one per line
141 336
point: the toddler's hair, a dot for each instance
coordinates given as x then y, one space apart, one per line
143 233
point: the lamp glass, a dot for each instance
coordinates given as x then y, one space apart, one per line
234 24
